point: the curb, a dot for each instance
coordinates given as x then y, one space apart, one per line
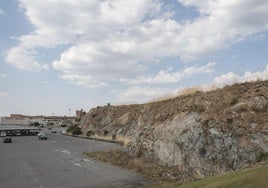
98 139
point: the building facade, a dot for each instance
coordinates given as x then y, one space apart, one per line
23 120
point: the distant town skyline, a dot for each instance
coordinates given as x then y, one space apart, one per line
56 60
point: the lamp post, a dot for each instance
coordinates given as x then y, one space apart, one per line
69 112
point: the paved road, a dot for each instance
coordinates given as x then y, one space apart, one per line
58 163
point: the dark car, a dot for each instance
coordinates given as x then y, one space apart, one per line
7 140
42 137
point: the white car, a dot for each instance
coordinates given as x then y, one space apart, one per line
40 133
3 134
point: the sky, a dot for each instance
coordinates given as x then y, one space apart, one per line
59 56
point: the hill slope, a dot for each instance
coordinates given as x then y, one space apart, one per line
250 178
201 134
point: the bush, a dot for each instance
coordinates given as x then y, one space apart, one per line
105 132
90 133
70 128
114 137
76 131
36 124
262 156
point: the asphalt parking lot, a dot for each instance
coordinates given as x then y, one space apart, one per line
58 162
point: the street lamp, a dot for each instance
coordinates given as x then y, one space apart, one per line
69 112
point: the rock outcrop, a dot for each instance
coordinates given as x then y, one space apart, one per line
202 134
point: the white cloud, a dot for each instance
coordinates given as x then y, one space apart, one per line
137 94
231 78
226 79
166 76
3 94
46 84
83 80
141 94
24 59
3 75
111 40
1 11
222 23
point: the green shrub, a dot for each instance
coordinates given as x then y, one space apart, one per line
262 156
70 128
76 131
90 133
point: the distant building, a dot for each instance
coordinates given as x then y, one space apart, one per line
19 119
80 113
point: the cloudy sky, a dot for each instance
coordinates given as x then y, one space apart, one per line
58 55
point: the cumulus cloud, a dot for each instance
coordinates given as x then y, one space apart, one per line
139 94
3 75
231 78
3 94
86 81
24 59
113 40
166 76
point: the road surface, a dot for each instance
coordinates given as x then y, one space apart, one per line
58 163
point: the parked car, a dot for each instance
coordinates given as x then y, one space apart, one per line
3 134
7 140
17 133
42 137
40 133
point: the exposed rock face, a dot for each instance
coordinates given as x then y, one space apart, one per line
203 134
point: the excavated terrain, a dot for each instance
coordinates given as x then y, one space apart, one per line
201 134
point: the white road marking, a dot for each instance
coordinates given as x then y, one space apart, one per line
89 161
77 164
65 151
29 171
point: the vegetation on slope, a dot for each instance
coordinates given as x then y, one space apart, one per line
196 135
249 178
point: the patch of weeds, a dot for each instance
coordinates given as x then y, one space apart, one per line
262 156
90 133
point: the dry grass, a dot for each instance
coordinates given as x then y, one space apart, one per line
147 167
124 139
252 177
102 137
187 91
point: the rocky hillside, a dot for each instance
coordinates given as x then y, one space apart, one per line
201 134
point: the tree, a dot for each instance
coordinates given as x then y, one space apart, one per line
76 131
36 124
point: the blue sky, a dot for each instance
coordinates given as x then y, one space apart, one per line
61 55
